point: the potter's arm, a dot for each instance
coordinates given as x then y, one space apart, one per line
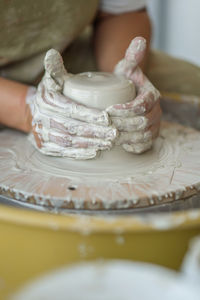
14 112
113 34
14 97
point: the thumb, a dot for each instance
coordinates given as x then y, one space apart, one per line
133 56
54 67
136 51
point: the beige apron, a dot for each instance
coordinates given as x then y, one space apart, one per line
29 28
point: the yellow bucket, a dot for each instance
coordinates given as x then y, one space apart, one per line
33 243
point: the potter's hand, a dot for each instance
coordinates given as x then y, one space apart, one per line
139 120
63 127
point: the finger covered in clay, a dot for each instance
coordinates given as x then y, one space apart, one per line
67 140
139 136
74 153
56 103
82 129
139 143
133 56
138 148
138 123
147 97
55 71
57 149
57 138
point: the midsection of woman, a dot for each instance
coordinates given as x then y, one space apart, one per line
30 28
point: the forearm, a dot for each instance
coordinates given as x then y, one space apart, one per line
14 112
113 34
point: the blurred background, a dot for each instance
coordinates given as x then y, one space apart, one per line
176 25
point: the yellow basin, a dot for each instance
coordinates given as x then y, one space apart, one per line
33 242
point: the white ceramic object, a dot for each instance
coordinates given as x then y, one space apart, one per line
98 89
118 280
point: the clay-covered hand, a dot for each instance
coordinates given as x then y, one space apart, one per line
138 121
63 127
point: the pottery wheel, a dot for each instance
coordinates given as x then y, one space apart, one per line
116 180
